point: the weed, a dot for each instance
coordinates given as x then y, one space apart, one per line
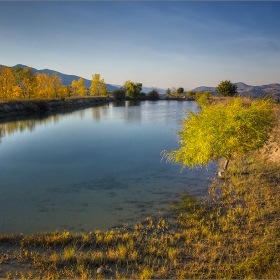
8 275
69 254
146 273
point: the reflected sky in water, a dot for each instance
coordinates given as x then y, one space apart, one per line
93 168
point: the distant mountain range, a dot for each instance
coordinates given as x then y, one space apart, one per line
247 90
242 88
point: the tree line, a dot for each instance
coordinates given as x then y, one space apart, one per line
18 83
131 90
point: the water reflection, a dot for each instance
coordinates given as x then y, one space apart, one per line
132 103
165 110
119 104
11 125
82 114
127 103
93 168
28 123
100 112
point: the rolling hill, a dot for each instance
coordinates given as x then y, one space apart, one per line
248 90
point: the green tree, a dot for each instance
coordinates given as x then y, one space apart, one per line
153 94
132 89
222 131
180 90
168 93
98 86
142 95
227 88
119 94
174 92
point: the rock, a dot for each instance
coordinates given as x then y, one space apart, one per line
6 108
100 270
221 174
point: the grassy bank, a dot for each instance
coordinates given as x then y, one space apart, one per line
233 233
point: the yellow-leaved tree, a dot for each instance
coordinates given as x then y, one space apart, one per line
65 91
28 83
56 85
78 87
44 88
98 86
8 82
222 130
132 90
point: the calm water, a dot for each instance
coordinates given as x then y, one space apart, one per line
92 169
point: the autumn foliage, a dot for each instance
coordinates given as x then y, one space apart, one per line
222 130
18 83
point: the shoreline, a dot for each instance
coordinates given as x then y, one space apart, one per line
10 107
29 106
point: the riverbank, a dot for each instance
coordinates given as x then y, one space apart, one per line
28 106
233 233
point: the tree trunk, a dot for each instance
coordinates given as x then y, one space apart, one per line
226 164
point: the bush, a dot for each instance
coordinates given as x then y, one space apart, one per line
222 130
142 96
227 88
153 95
119 94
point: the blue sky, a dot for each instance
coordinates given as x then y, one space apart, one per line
160 44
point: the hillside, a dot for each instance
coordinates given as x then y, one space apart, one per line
248 90
256 91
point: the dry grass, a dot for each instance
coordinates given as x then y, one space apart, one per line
272 148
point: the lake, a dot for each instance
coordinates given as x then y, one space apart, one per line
94 168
